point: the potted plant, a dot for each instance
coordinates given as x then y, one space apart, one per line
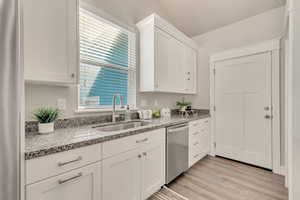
46 118
183 104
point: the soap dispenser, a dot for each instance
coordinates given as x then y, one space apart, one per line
127 113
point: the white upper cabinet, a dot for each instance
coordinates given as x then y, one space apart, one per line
190 70
168 58
163 66
50 41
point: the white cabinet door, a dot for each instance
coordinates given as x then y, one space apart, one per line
50 40
153 169
79 184
163 71
243 104
122 176
190 70
170 63
177 66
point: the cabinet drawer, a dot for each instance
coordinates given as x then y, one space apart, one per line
196 127
78 184
195 124
195 141
197 134
198 149
47 166
114 147
198 140
195 157
205 123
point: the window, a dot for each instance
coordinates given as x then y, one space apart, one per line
107 62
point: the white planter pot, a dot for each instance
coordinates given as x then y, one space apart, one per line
183 108
46 127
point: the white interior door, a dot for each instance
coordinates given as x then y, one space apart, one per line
243 109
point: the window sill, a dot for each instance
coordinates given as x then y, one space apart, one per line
99 110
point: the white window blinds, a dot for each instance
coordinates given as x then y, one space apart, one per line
107 62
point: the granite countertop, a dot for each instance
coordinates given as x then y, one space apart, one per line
71 138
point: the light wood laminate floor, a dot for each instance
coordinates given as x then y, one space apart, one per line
215 178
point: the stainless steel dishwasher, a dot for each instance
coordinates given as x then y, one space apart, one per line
176 151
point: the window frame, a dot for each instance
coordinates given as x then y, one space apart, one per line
106 18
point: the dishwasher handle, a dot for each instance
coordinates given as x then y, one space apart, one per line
177 128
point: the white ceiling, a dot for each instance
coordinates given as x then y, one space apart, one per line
193 17
199 16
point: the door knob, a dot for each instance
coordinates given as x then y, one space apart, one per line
266 108
268 116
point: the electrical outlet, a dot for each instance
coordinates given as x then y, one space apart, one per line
155 103
61 104
143 103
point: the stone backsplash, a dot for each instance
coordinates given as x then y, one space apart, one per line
31 127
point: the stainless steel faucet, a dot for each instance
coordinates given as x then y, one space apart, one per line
114 115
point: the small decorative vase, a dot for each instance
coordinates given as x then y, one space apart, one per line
45 128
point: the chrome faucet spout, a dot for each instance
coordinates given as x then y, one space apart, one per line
114 115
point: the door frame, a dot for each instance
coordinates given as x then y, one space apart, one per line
272 46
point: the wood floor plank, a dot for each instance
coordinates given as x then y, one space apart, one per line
260 176
244 190
191 195
245 181
215 178
247 177
221 184
253 170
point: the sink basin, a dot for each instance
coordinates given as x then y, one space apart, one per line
121 126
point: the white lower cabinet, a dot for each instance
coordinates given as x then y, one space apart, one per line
129 168
153 169
122 176
80 184
138 173
199 140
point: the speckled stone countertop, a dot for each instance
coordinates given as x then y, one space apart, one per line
71 138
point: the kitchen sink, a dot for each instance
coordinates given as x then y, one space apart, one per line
121 126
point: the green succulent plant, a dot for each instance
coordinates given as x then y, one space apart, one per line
183 103
46 115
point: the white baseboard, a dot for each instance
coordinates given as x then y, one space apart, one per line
281 171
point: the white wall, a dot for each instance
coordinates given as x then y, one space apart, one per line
43 95
295 98
252 30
